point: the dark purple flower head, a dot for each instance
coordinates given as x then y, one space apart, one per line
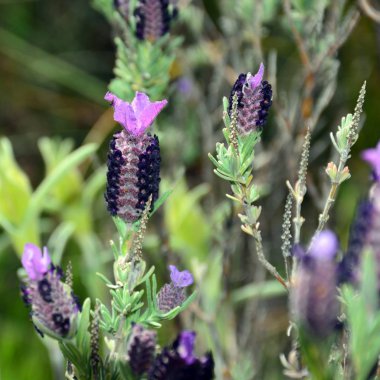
35 262
254 100
349 267
133 159
313 295
178 362
372 156
53 307
141 349
180 279
153 19
172 295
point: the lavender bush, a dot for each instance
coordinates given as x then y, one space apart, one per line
221 256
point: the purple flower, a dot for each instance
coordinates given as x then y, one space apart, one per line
35 262
133 159
138 116
53 306
141 349
313 295
179 362
172 295
186 343
180 279
153 19
372 156
254 100
325 245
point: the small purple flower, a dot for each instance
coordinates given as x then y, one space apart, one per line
179 362
372 156
254 100
138 116
180 279
134 158
53 306
172 295
325 245
35 262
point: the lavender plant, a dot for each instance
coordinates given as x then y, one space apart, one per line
131 353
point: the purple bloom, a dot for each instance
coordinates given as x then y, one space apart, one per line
313 295
254 100
153 19
180 279
133 159
172 295
325 245
53 306
186 343
35 262
138 116
372 156
178 361
141 349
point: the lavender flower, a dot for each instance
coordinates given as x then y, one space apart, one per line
366 227
141 349
349 267
372 156
53 307
134 157
178 361
35 262
313 296
174 294
254 100
153 19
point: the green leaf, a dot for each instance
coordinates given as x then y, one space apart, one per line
83 335
40 195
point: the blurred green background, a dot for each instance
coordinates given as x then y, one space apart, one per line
56 60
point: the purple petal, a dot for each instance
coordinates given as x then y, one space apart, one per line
325 245
139 115
186 346
255 80
150 112
180 279
372 156
35 263
113 99
140 102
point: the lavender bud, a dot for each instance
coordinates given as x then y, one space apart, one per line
313 296
179 362
153 19
141 349
254 100
169 297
